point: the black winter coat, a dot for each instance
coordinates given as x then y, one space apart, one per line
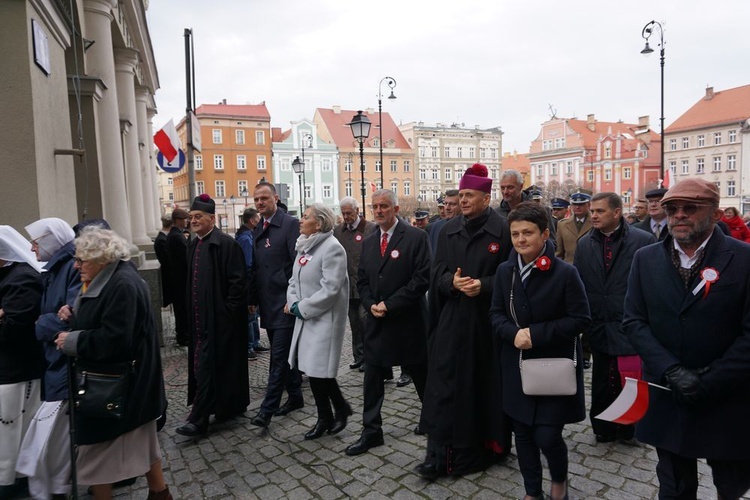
162 255
606 288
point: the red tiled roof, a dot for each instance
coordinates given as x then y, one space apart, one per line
590 137
276 134
341 133
514 161
715 108
254 111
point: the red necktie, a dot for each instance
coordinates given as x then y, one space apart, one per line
383 244
265 224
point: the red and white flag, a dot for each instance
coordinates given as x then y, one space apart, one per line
630 406
373 187
168 141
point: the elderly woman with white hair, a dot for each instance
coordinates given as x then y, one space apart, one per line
21 360
113 332
45 452
318 295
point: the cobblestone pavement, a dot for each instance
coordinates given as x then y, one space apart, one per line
238 460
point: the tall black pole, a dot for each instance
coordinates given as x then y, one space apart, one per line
303 199
301 193
189 113
362 172
380 136
661 119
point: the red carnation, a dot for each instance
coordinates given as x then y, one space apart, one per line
543 263
477 169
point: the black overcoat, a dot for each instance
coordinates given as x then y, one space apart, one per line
463 397
114 323
222 303
553 306
160 249
606 288
400 279
669 325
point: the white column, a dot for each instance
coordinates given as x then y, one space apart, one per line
148 176
125 62
155 194
100 62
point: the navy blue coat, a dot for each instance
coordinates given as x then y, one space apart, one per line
553 306
669 325
272 267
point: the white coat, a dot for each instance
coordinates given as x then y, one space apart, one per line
320 287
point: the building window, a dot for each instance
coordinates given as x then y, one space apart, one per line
394 187
590 175
730 189
422 174
569 167
260 137
553 169
607 174
435 174
200 188
219 187
482 152
261 162
421 151
626 173
407 165
241 162
308 192
608 151
198 162
732 136
472 152
170 196
170 181
447 152
448 174
673 144
493 153
701 140
407 188
347 166
717 138
241 188
434 151
731 162
700 166
239 136
285 164
377 166
547 145
348 188
327 191
218 162
685 142
394 166
718 186
326 165
560 143
216 135
717 163
685 166
540 170
459 152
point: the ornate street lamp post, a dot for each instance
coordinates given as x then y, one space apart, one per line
391 82
648 30
226 228
244 193
299 168
360 125
234 222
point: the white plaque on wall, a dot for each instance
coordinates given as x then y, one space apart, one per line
41 47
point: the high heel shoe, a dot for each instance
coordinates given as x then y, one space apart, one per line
342 416
564 485
321 426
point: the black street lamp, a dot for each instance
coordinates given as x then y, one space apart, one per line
360 125
226 227
234 222
306 142
351 163
244 193
648 30
392 84
299 168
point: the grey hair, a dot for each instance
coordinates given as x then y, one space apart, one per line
101 245
389 194
513 173
451 192
324 216
348 201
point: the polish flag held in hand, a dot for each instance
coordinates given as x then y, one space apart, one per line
168 141
631 405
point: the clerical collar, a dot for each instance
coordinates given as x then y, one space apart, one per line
611 232
207 234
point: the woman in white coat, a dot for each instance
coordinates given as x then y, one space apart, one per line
318 295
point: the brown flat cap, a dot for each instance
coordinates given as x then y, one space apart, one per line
179 213
695 190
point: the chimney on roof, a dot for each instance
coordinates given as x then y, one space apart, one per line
591 122
709 93
223 101
336 109
643 121
370 111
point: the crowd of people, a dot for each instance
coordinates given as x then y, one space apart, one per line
461 303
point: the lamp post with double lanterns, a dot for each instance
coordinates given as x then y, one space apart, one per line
299 168
391 82
648 30
244 193
360 125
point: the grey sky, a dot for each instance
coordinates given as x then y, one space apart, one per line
477 62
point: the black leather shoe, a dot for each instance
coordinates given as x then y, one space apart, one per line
403 380
429 470
362 368
364 444
190 430
261 419
289 407
418 431
605 438
355 365
321 426
261 348
339 423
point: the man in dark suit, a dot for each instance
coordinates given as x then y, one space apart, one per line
687 313
177 245
274 239
656 220
160 249
394 274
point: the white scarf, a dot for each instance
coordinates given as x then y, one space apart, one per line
305 242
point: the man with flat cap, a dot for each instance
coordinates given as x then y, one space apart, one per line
217 302
571 229
656 220
177 245
687 313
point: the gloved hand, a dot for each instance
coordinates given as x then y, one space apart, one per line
686 385
295 310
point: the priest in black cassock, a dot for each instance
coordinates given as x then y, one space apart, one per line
217 302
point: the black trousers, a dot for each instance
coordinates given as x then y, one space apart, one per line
280 375
374 392
605 387
326 392
356 322
204 400
678 477
180 309
529 441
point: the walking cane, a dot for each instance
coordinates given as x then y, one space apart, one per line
72 432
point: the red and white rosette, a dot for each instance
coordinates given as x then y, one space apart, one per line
303 260
395 254
709 275
493 247
543 263
357 237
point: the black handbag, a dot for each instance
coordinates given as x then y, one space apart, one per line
102 390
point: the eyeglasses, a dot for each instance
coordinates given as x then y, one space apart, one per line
35 241
688 210
79 261
195 217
